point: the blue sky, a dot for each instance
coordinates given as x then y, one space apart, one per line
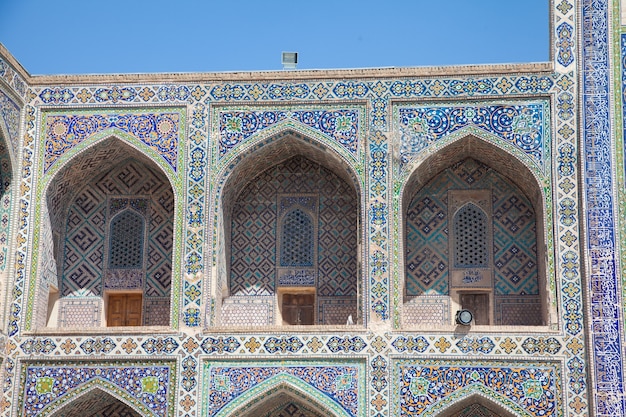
141 36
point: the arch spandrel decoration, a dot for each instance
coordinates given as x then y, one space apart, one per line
161 130
344 126
232 388
424 390
523 126
150 390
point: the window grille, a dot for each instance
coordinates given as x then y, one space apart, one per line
127 230
297 239
470 231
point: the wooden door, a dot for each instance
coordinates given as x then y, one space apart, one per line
124 310
298 309
478 304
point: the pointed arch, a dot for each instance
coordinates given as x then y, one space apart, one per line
503 160
476 394
90 393
68 184
266 150
260 397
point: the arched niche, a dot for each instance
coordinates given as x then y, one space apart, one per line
475 405
96 399
513 286
261 188
82 282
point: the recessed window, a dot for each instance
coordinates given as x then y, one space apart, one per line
127 230
470 229
297 239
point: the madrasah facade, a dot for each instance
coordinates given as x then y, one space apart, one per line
439 241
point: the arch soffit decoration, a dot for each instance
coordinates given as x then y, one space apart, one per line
291 138
102 140
125 152
87 388
283 384
4 133
468 143
476 393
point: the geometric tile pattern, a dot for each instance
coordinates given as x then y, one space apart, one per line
523 125
475 410
87 266
10 119
158 131
97 403
427 310
293 409
514 228
254 222
79 312
248 311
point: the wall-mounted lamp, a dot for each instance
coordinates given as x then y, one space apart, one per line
464 317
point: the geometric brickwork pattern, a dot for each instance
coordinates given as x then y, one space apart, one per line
79 312
97 403
514 248
248 311
254 223
292 409
475 410
85 236
427 310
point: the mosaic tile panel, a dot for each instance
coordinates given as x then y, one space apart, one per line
160 131
341 125
606 324
514 231
10 115
524 125
248 311
423 386
253 259
337 387
146 387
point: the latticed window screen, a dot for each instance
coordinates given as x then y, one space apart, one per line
470 231
297 239
126 239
